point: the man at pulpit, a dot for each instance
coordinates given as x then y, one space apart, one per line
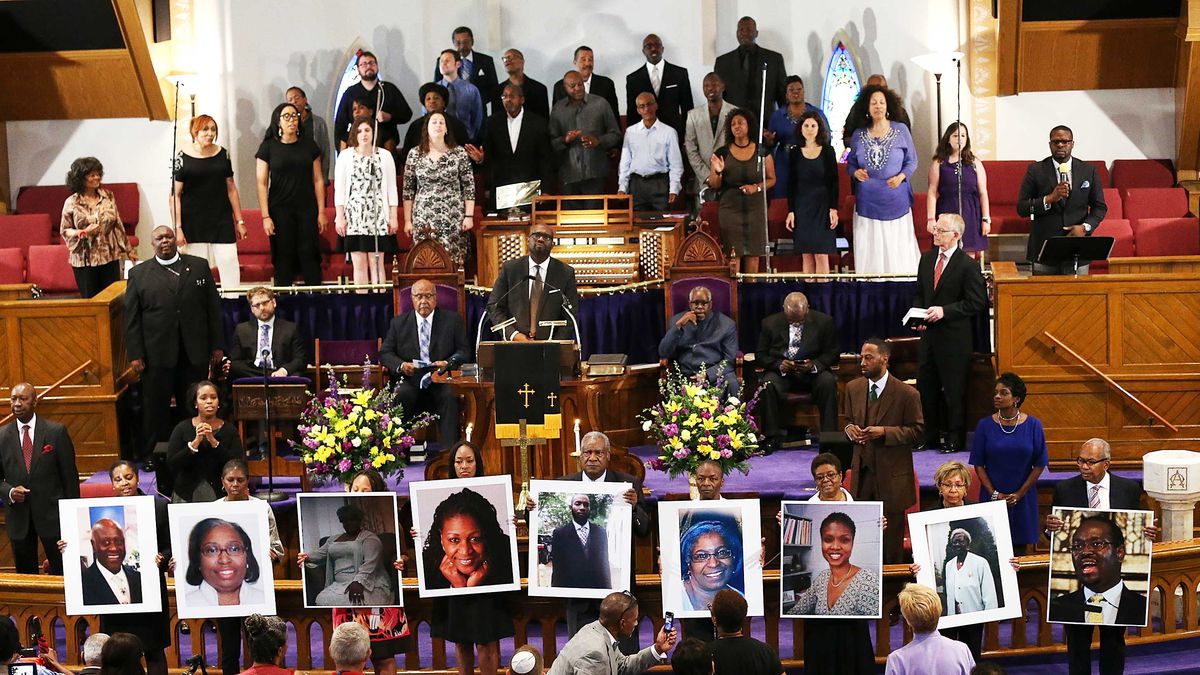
418 342
266 341
702 342
532 290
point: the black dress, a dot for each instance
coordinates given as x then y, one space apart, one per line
812 191
204 208
472 619
153 628
196 473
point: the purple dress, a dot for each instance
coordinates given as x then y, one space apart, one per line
883 158
973 239
1008 458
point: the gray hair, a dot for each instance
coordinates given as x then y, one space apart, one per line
92 647
953 221
965 533
349 645
597 434
1105 448
699 289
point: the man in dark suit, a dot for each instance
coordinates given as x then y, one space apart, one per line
266 340
478 69
580 549
516 144
742 72
533 289
1096 488
595 453
881 415
418 342
667 81
537 98
952 291
173 330
1097 553
108 580
593 84
37 468
1063 196
796 349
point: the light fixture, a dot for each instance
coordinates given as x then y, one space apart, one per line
938 64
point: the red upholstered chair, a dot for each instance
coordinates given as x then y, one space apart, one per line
333 262
1166 236
1155 203
12 266
1004 186
1120 230
87 490
47 199
50 270
254 252
1102 173
777 211
710 213
329 195
1116 205
1139 173
129 204
921 220
23 231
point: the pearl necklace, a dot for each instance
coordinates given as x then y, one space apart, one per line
1004 419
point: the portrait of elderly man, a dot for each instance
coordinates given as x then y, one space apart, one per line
970 586
108 580
1097 551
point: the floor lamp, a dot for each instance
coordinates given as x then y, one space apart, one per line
938 64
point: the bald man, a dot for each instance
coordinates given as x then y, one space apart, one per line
651 169
108 580
796 350
666 81
37 468
583 129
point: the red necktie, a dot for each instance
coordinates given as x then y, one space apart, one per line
937 270
27 448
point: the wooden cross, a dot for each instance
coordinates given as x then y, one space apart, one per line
526 391
523 441
552 398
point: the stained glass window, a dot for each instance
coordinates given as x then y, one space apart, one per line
349 78
842 86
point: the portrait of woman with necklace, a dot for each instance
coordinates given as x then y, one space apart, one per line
1008 451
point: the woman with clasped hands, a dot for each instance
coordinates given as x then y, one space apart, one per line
199 448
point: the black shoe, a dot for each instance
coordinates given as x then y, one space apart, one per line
949 447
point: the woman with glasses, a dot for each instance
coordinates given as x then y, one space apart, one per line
827 472
291 191
711 554
1008 452
92 230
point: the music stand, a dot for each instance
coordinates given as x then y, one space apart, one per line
1059 250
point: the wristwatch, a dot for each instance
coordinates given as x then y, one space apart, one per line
995 495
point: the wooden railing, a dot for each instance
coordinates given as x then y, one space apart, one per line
1174 578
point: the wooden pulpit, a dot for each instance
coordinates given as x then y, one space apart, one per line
528 399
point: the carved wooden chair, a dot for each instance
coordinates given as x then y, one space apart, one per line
700 262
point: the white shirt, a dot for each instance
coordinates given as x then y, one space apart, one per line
587 85
880 385
1112 601
817 497
946 255
174 259
652 70
514 127
582 531
119 583
1104 494
585 478
533 272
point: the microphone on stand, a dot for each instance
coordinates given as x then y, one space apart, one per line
451 363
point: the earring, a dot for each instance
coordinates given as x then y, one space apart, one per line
279 132
888 114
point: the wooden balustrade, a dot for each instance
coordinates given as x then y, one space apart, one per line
1173 609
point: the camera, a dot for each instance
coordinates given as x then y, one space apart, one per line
22 667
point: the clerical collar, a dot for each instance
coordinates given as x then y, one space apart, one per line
169 261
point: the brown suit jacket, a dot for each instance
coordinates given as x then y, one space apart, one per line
899 410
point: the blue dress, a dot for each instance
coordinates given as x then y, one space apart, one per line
1008 458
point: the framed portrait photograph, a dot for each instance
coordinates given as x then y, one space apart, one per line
583 533
707 546
832 559
1100 567
222 559
963 553
351 540
108 565
466 540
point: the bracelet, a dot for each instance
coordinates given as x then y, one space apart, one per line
267 218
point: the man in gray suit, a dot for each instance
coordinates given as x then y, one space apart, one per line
704 130
593 650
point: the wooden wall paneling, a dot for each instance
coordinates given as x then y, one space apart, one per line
1112 54
136 42
1008 43
1187 93
63 85
1181 264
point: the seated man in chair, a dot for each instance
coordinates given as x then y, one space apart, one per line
796 349
703 342
419 342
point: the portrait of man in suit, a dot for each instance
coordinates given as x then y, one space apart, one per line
418 342
37 468
108 580
532 289
1064 196
266 341
951 289
580 549
881 415
1097 549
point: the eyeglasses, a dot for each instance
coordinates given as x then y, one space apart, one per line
1093 545
424 296
1059 141
719 554
214 551
830 477
540 235
953 486
1083 461
943 230
289 116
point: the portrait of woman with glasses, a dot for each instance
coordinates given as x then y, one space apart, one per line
710 550
222 569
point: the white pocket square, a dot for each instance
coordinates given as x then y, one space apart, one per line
1086 185
669 86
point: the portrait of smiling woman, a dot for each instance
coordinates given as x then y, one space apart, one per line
221 565
465 546
841 558
711 553
223 568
